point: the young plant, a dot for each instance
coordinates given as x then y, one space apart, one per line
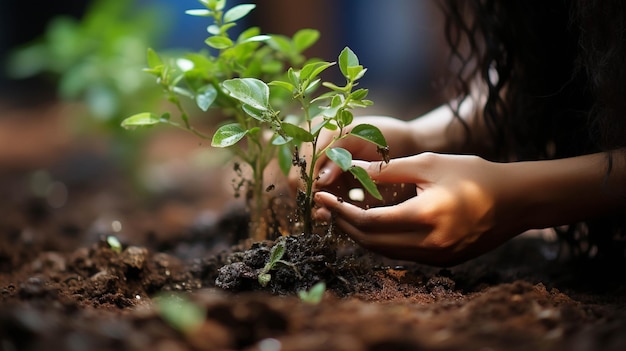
203 78
333 112
276 255
314 295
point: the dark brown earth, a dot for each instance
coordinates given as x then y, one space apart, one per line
63 287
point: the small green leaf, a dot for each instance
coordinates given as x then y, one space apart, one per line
257 114
370 133
359 94
141 120
285 85
238 12
296 132
314 295
346 117
153 59
281 44
219 43
277 252
114 243
206 97
180 313
342 157
264 279
199 12
255 38
361 175
250 91
347 59
304 38
279 140
228 135
213 29
284 158
312 70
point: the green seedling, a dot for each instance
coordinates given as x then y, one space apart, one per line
114 243
330 110
275 259
314 295
203 78
180 313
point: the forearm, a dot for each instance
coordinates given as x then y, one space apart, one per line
557 192
441 131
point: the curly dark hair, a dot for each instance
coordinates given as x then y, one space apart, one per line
555 77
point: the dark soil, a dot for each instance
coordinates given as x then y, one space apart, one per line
63 287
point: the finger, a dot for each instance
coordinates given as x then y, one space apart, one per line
327 174
401 217
398 170
396 245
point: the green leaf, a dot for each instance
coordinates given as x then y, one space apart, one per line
219 43
304 38
254 113
361 175
296 132
285 85
264 279
114 243
347 59
370 133
314 295
238 12
281 44
359 94
141 120
356 72
199 12
228 135
312 70
277 252
342 157
255 38
346 117
206 97
153 59
180 313
250 91
284 158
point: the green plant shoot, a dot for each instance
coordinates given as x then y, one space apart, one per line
335 114
205 78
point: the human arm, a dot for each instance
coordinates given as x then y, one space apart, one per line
466 206
438 131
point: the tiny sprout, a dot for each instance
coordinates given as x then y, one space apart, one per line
180 313
313 295
114 243
276 255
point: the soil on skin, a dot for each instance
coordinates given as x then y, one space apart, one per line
64 287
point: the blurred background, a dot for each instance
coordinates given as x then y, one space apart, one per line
71 70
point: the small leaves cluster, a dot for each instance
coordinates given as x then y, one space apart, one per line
203 78
234 81
330 110
275 260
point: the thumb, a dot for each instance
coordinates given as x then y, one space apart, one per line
397 170
327 174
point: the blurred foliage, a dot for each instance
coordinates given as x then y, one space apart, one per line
97 60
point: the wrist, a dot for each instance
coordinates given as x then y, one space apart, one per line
557 192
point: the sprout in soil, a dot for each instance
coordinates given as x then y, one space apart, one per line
313 295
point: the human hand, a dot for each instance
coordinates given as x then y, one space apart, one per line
330 177
462 209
